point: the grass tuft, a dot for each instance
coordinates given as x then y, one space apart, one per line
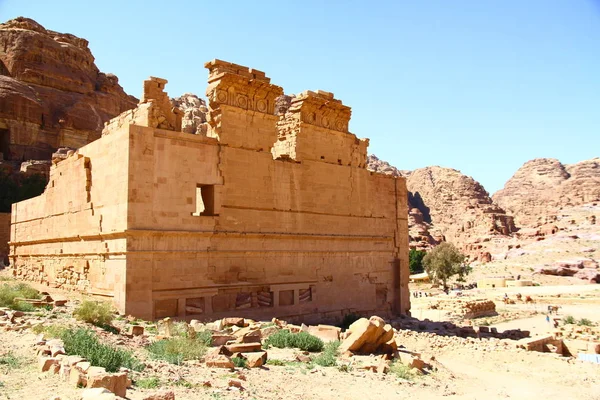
10 361
328 358
302 340
569 319
148 383
239 362
401 371
585 322
84 343
177 349
10 291
95 313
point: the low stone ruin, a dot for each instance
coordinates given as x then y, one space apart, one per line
466 308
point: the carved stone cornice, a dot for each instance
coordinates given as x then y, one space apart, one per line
242 87
321 109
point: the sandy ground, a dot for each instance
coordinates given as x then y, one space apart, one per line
460 371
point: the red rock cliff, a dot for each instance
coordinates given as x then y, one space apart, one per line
51 92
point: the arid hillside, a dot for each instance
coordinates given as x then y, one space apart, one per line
544 186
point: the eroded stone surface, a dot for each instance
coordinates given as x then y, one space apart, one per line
51 92
264 215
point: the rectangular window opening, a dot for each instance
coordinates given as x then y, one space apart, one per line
205 201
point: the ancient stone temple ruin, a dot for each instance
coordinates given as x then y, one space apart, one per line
264 216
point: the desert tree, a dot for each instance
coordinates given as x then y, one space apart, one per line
444 262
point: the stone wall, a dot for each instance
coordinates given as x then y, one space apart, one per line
201 227
4 236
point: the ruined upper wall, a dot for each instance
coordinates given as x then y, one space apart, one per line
315 127
242 106
154 110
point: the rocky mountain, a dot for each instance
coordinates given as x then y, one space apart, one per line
544 186
446 205
458 206
51 92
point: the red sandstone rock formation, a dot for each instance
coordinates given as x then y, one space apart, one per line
447 205
457 205
541 187
51 92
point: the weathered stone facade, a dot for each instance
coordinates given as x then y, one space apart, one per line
4 236
264 216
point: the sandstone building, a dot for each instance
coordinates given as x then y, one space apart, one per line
264 216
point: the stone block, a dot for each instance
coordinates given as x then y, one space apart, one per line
257 359
218 361
49 364
243 347
114 382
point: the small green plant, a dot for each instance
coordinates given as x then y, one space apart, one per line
401 371
348 320
148 383
9 292
585 322
276 362
84 343
301 340
183 383
177 349
50 331
10 361
151 329
204 337
328 358
95 313
569 319
239 362
344 368
485 322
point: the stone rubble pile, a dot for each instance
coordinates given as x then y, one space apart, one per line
78 371
472 308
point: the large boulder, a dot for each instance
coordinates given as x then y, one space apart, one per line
366 336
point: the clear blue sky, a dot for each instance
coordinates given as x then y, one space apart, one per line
480 85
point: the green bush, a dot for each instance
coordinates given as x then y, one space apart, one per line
401 371
147 383
276 362
569 319
10 361
585 322
239 362
302 340
415 261
50 331
204 337
10 291
95 313
328 358
84 343
177 349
